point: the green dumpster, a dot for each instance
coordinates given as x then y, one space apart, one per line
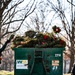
38 61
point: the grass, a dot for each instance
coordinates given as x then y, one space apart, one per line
2 72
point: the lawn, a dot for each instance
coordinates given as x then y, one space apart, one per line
6 72
67 74
12 73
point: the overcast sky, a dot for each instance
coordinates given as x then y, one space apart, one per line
57 22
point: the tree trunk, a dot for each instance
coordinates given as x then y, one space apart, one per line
10 66
71 62
64 66
5 67
72 48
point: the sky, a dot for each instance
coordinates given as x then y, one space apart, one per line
56 21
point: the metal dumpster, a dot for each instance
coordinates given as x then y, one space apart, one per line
38 61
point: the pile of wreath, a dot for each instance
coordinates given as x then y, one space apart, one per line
32 39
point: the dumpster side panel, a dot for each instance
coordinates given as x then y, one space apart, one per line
23 57
53 60
38 61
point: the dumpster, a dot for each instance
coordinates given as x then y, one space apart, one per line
38 61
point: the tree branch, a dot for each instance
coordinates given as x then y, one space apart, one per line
70 3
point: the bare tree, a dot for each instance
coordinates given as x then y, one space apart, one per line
7 60
13 14
68 24
39 21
